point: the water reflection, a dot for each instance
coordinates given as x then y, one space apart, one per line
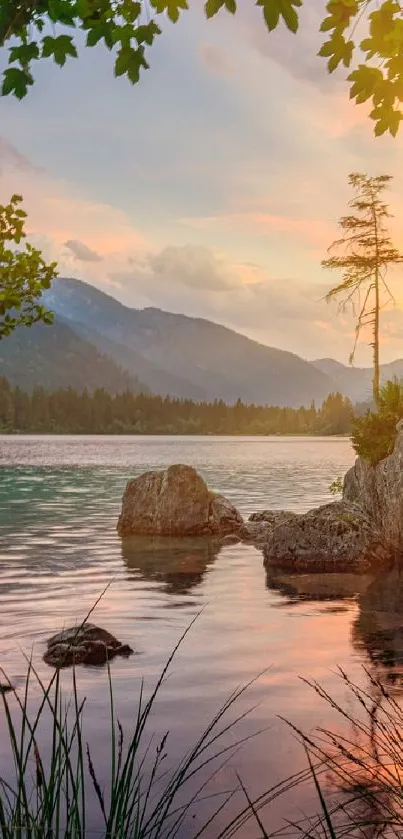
316 587
361 751
180 564
379 627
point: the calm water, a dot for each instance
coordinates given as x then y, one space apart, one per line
59 502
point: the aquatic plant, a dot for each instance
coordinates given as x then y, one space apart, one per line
55 786
143 799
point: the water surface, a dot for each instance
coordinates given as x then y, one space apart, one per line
59 502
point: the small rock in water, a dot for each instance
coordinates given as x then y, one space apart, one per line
6 688
85 644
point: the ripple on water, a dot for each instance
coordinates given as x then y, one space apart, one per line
59 502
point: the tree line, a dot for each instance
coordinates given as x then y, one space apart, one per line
67 411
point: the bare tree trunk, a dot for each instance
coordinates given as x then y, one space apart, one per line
376 378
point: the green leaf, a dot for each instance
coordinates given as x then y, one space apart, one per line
95 35
59 47
17 82
271 13
230 6
129 62
289 15
365 81
83 9
212 7
145 34
24 53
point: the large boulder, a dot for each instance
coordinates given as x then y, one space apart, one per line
175 502
334 537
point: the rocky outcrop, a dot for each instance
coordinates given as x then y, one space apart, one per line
175 502
363 531
85 644
378 491
336 536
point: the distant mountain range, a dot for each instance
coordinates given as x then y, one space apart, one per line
55 356
95 341
356 382
184 356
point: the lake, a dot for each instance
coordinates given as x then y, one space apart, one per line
59 502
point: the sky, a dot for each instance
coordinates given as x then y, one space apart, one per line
213 187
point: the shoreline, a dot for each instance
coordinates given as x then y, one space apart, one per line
167 434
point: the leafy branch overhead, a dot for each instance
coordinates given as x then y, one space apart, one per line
23 273
30 29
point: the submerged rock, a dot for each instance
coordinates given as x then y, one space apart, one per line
86 644
175 502
336 536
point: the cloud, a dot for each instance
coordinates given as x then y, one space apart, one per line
295 53
82 252
59 214
195 266
309 230
216 60
12 158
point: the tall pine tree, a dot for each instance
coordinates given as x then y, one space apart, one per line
364 253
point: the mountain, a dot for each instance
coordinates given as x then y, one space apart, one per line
55 356
158 381
187 356
356 382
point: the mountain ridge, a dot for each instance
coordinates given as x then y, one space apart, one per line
54 356
219 362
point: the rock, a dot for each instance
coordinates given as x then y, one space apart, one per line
334 537
255 532
363 531
175 502
231 539
224 518
378 490
259 525
272 517
86 644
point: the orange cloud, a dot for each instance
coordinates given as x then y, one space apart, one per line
58 211
315 231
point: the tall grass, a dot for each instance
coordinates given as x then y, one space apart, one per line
51 798
356 770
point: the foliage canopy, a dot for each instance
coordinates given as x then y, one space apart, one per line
128 27
24 275
99 412
374 434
